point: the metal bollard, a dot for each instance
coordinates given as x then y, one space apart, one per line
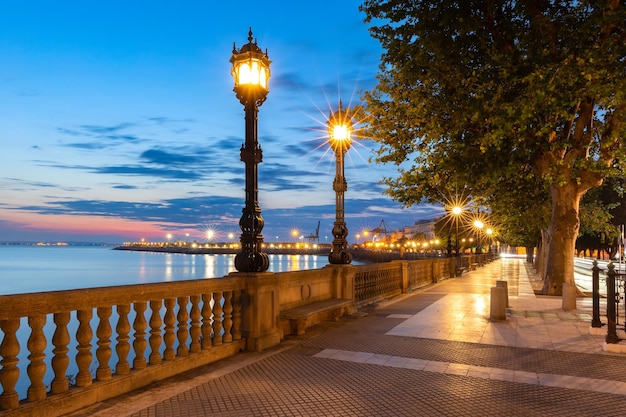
595 278
611 300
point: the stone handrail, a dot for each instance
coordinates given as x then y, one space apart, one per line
71 349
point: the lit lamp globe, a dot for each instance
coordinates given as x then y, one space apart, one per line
251 72
340 130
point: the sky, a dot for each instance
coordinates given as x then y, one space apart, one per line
118 121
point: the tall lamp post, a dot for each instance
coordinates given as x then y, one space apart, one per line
479 225
456 211
340 131
489 233
251 72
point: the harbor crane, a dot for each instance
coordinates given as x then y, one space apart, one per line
315 236
381 230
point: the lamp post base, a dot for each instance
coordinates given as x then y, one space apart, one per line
252 262
339 257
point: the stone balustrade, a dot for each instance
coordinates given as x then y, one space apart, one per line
71 349
160 330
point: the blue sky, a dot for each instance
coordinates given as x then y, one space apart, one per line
119 120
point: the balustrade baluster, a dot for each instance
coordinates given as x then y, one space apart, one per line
10 373
217 318
195 331
84 356
60 360
182 334
382 278
123 347
237 315
103 353
139 341
365 286
155 332
206 321
169 337
359 287
228 317
36 369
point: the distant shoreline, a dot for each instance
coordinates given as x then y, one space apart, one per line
60 244
320 251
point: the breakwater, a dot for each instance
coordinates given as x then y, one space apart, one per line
320 250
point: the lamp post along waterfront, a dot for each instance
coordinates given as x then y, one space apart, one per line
479 225
251 73
340 131
456 211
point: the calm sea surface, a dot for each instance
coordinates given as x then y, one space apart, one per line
25 269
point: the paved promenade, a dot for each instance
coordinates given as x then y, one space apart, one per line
433 352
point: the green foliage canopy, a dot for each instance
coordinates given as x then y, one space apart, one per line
475 93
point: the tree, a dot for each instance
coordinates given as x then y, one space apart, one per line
477 92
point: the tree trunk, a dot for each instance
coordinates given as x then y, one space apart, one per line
563 232
542 253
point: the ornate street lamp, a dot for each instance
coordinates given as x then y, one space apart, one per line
479 225
489 233
340 131
251 72
456 211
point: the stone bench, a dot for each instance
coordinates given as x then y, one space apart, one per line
296 320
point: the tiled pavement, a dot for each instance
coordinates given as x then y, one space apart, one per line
433 352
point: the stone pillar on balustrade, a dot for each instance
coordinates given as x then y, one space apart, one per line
342 280
404 270
260 309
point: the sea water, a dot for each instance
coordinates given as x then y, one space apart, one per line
26 269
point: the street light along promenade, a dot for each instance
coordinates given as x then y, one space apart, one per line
251 73
340 131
